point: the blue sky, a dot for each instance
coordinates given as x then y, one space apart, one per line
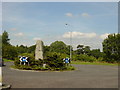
89 22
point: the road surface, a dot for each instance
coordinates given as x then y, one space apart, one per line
86 76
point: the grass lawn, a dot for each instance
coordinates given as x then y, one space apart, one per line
93 63
6 60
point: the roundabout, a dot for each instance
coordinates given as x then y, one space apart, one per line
86 76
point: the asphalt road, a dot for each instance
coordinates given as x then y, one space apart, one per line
86 76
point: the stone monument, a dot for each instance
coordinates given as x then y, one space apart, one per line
39 50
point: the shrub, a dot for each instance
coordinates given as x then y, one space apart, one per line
70 68
36 62
30 59
35 67
100 59
109 60
24 67
17 62
54 61
31 56
85 58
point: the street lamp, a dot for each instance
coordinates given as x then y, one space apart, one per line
70 43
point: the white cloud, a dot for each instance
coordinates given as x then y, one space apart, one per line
77 15
85 15
103 36
36 38
69 14
19 34
75 34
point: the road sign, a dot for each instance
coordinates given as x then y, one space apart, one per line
23 59
66 60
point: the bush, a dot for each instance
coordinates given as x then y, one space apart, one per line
36 62
31 56
54 61
35 67
70 68
24 67
85 58
109 60
30 59
100 59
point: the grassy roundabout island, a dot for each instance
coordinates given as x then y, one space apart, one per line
52 62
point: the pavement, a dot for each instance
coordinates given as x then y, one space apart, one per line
85 76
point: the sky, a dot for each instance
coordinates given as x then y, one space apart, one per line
89 22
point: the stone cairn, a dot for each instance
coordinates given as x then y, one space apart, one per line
39 50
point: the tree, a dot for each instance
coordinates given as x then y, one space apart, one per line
86 50
80 49
22 49
111 48
60 47
80 46
5 39
8 51
96 53
31 49
46 49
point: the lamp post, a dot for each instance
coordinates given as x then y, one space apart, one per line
70 43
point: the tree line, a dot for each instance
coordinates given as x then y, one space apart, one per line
111 50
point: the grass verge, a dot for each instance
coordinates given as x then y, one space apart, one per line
94 63
6 60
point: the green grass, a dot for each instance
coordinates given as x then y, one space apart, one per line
6 60
94 63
